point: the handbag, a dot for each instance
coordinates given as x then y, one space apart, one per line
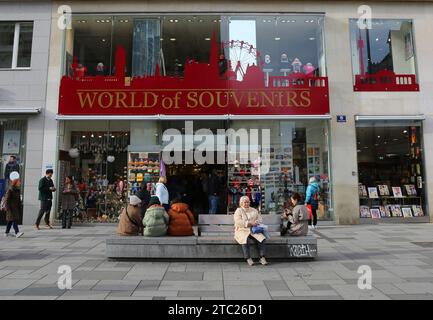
257 229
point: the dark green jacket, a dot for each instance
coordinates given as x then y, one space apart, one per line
44 189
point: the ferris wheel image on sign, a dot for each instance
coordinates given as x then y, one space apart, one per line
242 55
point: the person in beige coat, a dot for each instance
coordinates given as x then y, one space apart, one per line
246 217
130 223
299 218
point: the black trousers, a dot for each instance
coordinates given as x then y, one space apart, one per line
45 209
67 218
314 210
250 241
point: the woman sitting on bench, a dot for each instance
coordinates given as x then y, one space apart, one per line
130 219
155 221
298 218
245 219
181 219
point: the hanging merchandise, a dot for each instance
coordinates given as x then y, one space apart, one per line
296 64
309 69
413 135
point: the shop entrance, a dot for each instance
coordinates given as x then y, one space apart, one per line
194 183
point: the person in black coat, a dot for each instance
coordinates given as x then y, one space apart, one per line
11 166
144 196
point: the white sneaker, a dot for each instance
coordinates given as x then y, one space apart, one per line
263 261
19 234
314 227
310 227
250 262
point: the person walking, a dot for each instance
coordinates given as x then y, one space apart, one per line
162 193
46 189
69 199
312 199
13 206
245 218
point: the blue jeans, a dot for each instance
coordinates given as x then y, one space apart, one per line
10 224
213 204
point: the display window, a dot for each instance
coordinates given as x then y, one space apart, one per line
391 170
383 55
12 144
282 45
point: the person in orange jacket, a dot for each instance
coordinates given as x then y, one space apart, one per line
181 219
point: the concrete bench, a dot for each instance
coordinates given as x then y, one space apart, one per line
214 242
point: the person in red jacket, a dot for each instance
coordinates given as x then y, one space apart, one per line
181 219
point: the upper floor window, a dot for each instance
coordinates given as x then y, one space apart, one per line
280 45
15 44
383 56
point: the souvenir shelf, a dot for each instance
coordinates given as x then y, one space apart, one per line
142 167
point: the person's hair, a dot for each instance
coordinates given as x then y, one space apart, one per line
70 178
13 157
242 200
312 179
296 196
15 182
162 180
48 171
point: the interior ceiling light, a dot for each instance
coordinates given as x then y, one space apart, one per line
172 39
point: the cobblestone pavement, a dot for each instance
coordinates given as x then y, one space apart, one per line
400 256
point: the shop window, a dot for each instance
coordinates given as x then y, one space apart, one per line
383 57
15 44
281 45
12 144
298 150
391 171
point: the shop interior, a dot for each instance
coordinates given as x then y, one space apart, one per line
390 166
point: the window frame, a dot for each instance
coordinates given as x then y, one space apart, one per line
15 48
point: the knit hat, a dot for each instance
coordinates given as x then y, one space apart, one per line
154 200
134 200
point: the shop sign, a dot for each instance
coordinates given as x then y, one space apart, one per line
202 91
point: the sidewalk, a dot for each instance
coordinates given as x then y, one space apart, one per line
400 256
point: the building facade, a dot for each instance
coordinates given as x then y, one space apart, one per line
24 45
326 97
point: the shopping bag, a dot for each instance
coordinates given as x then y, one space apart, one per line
310 210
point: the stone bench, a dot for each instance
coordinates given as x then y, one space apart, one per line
215 242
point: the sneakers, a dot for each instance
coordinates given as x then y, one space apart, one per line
263 261
48 226
37 227
250 262
19 234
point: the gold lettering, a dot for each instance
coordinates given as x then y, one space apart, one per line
87 99
164 105
252 98
192 97
218 98
291 99
237 100
201 99
133 101
267 98
110 99
155 99
305 96
121 100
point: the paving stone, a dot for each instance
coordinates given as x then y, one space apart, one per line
99 275
183 276
41 291
116 285
320 287
275 285
148 285
198 293
84 295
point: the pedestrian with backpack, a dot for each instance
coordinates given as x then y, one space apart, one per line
312 200
12 204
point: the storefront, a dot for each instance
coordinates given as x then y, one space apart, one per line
242 98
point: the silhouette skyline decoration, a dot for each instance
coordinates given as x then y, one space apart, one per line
202 90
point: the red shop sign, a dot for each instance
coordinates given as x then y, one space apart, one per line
202 91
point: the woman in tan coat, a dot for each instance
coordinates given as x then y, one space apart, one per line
130 223
246 217
298 220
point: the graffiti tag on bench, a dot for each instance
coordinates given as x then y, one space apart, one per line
302 250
